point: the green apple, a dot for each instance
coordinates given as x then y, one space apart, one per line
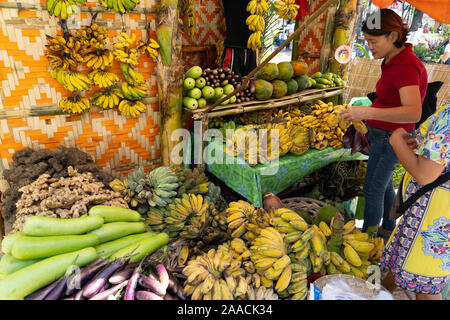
218 92
202 103
188 83
195 93
194 72
229 88
208 92
190 103
200 82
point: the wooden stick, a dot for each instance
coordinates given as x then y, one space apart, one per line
245 79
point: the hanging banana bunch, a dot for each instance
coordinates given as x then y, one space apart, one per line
150 47
256 22
286 9
124 50
76 104
189 17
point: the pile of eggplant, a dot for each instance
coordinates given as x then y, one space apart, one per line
114 280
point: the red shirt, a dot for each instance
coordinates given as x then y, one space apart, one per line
403 70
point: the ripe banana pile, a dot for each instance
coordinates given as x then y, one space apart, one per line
189 17
215 275
187 216
256 22
107 99
119 6
124 50
286 9
76 104
63 8
271 260
71 80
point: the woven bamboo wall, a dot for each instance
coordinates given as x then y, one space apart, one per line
311 37
29 115
364 74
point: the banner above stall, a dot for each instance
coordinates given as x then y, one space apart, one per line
437 9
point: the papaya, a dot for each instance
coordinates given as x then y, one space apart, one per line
269 72
300 68
302 82
292 86
279 89
285 71
263 89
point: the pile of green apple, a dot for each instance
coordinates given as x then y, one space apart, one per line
197 94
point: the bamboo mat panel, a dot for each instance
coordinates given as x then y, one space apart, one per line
364 74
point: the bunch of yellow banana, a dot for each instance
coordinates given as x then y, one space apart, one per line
71 80
256 22
290 223
261 293
62 53
239 249
150 48
123 50
270 258
189 17
107 99
99 59
132 92
63 8
75 105
103 79
131 108
254 41
238 213
155 219
120 6
215 275
93 36
133 77
286 9
259 7
257 220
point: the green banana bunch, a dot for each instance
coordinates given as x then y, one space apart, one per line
63 8
119 6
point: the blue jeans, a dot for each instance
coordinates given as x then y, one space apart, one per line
378 187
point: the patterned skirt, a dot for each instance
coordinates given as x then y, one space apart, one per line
418 251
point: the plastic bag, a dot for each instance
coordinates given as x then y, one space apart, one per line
339 289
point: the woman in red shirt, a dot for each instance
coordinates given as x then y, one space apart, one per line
400 93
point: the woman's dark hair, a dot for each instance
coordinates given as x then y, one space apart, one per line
389 22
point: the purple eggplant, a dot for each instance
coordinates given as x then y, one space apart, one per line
58 291
163 275
147 295
111 291
79 279
123 274
40 295
132 284
151 282
101 278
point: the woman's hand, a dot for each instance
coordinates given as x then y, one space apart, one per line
355 113
400 135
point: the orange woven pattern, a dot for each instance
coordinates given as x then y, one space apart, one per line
311 38
117 143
